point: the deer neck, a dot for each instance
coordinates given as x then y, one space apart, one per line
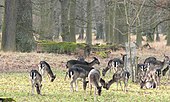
110 82
92 63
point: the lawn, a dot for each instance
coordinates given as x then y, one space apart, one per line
17 85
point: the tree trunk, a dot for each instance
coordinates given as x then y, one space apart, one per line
65 34
138 35
9 26
107 22
47 19
121 27
157 34
72 20
168 35
24 32
111 18
98 12
82 19
89 23
99 27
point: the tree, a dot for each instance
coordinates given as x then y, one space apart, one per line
65 34
72 20
9 26
89 23
98 15
107 21
168 34
46 19
121 28
24 31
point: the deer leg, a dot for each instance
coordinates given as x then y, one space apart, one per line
169 74
117 85
32 83
95 99
65 75
90 88
120 85
125 85
71 83
76 85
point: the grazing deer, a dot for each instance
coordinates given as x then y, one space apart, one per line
118 76
45 67
36 80
160 67
151 77
94 79
147 84
141 70
70 63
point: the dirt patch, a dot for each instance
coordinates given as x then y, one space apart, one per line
18 62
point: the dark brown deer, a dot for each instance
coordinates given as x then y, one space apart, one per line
79 71
70 63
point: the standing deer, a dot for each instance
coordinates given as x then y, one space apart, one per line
94 79
70 63
36 80
79 71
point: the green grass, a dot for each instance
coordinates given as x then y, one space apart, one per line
18 87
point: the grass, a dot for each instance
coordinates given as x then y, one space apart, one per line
18 86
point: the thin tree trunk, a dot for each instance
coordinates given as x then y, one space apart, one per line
138 35
82 23
107 22
111 11
168 35
72 20
65 34
9 26
89 23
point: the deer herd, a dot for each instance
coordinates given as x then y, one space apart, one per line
148 73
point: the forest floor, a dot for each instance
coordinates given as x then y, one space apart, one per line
16 61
